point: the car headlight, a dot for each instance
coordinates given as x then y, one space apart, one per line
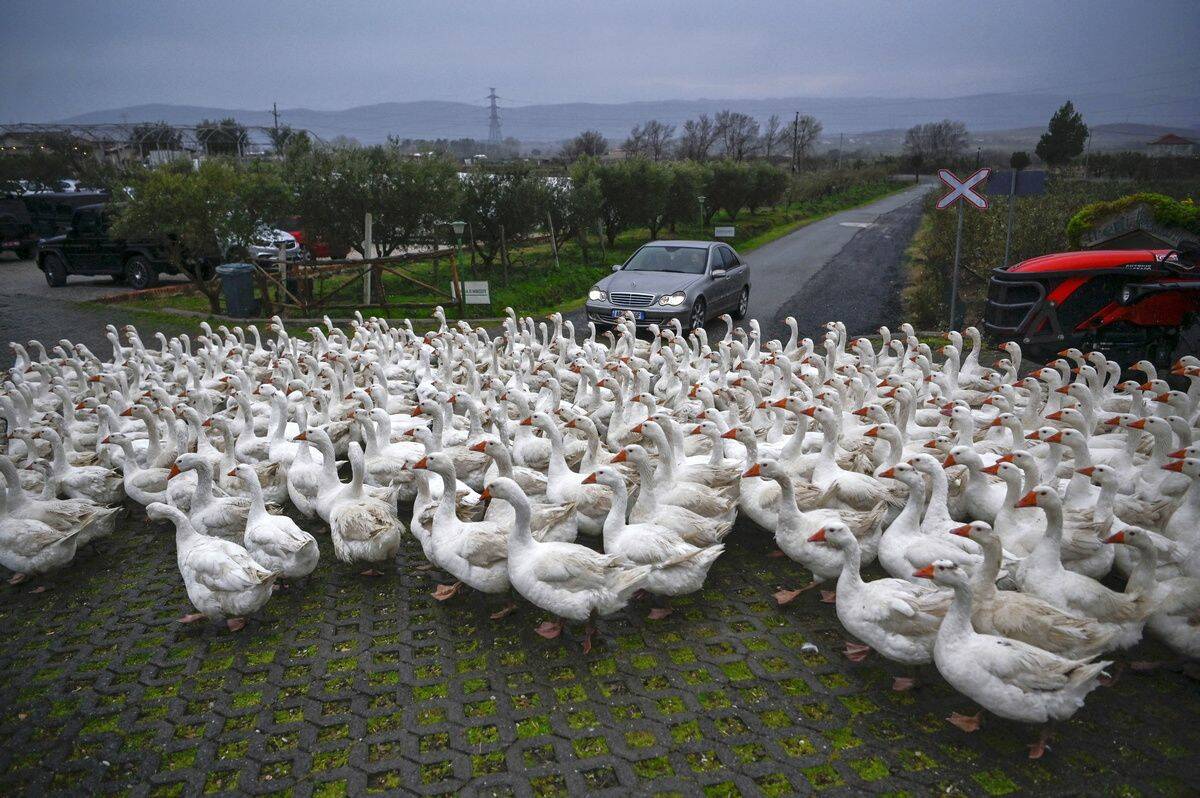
675 300
596 295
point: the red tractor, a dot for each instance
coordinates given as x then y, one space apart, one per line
1128 304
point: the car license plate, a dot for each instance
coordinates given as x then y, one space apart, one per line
640 315
7 244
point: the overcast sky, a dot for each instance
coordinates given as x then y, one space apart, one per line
63 58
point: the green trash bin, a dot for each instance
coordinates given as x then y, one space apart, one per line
237 284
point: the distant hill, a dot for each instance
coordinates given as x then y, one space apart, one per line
1016 114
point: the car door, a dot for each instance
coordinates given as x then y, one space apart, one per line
738 274
80 245
718 290
109 251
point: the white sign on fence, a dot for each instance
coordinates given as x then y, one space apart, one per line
474 292
723 232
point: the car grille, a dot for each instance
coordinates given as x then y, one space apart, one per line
629 300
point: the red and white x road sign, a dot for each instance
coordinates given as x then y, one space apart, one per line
963 189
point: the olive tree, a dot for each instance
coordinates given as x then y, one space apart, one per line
515 199
202 216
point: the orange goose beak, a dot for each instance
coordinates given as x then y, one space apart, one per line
232 472
619 457
174 472
993 469
730 435
1178 454
526 422
1118 537
889 474
303 436
422 463
963 531
753 471
486 495
1086 471
590 479
479 447
925 573
949 461
1028 500
873 432
1174 465
818 536
1139 424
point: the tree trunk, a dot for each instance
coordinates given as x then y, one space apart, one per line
581 237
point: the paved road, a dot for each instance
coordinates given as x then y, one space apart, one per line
31 309
844 267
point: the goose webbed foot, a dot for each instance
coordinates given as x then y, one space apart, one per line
505 611
191 617
17 579
856 652
658 613
829 597
550 629
1039 746
588 632
777 553
235 624
968 723
902 684
371 572
444 592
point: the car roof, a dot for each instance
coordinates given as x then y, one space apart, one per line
682 244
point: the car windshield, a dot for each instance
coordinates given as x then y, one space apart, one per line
681 260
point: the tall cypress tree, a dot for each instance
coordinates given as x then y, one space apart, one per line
1065 136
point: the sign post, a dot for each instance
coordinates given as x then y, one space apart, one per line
1013 184
961 191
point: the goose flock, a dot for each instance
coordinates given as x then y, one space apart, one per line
581 476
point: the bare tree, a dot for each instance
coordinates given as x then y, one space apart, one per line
738 133
807 130
589 142
772 136
658 139
698 138
934 143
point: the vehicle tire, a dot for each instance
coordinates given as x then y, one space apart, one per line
743 305
698 317
56 271
139 274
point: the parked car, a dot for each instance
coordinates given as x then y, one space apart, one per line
16 228
266 244
87 248
319 249
692 281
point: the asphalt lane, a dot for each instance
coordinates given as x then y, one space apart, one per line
807 275
844 267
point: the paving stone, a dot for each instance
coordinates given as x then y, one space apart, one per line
346 684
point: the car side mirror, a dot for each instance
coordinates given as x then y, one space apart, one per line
719 273
616 267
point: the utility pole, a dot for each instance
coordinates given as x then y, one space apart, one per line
795 141
275 114
494 137
839 158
